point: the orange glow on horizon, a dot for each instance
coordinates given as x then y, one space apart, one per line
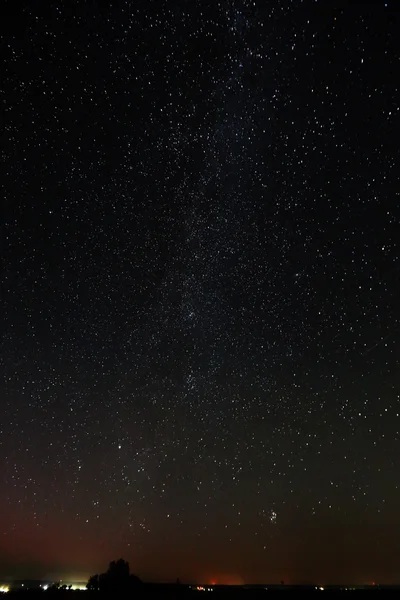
226 579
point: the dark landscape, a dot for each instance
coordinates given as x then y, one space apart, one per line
118 580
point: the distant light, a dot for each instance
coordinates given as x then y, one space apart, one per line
45 587
4 589
78 587
322 589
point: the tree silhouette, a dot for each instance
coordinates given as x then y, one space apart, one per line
117 578
119 569
93 583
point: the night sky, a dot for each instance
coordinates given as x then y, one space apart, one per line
200 290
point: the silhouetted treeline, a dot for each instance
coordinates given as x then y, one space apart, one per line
117 579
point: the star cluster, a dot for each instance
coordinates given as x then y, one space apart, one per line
201 289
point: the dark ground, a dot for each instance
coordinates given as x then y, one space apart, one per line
227 592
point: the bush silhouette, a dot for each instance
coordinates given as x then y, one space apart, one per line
117 578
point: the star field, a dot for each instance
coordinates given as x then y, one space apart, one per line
200 290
